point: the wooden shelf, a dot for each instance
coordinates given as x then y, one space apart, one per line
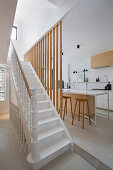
102 60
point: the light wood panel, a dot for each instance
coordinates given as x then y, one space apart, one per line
102 60
73 96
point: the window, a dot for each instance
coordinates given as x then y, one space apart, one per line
14 33
2 84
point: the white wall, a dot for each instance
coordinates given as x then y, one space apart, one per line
7 12
36 21
89 24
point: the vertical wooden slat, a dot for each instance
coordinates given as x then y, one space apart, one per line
51 65
54 66
57 67
37 60
31 51
45 62
33 58
48 63
41 60
61 100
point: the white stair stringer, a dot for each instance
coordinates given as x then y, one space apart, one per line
54 138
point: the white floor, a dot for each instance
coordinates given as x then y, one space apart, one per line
96 140
13 158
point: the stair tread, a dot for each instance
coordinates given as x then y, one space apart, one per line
40 94
53 147
50 132
47 101
46 110
43 121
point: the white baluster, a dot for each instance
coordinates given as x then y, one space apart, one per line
35 148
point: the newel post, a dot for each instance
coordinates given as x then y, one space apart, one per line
35 147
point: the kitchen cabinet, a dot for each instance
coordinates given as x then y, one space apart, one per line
102 101
102 60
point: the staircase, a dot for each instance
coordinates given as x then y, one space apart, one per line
48 134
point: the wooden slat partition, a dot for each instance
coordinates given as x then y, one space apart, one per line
44 56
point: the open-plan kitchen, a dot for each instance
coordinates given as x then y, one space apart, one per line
88 79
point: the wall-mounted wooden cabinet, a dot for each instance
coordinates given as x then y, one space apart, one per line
102 60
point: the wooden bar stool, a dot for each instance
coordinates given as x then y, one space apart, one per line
83 101
65 106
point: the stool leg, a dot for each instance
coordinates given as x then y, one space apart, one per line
83 117
74 112
66 106
64 109
88 112
79 112
75 107
71 110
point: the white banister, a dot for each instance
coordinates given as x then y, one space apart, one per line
28 103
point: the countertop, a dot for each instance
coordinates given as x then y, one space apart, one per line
87 92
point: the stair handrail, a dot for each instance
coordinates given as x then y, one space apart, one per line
24 77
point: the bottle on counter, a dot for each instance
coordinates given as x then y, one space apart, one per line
69 85
108 87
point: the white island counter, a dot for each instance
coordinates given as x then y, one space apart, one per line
93 93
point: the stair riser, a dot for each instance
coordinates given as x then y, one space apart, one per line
50 140
39 91
48 126
41 97
45 115
41 106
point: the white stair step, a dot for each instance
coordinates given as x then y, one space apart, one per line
43 105
47 120
46 113
50 132
41 97
54 147
37 91
45 110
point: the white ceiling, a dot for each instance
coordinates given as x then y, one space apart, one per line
24 6
7 13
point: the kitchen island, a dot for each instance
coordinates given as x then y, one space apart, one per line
92 98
